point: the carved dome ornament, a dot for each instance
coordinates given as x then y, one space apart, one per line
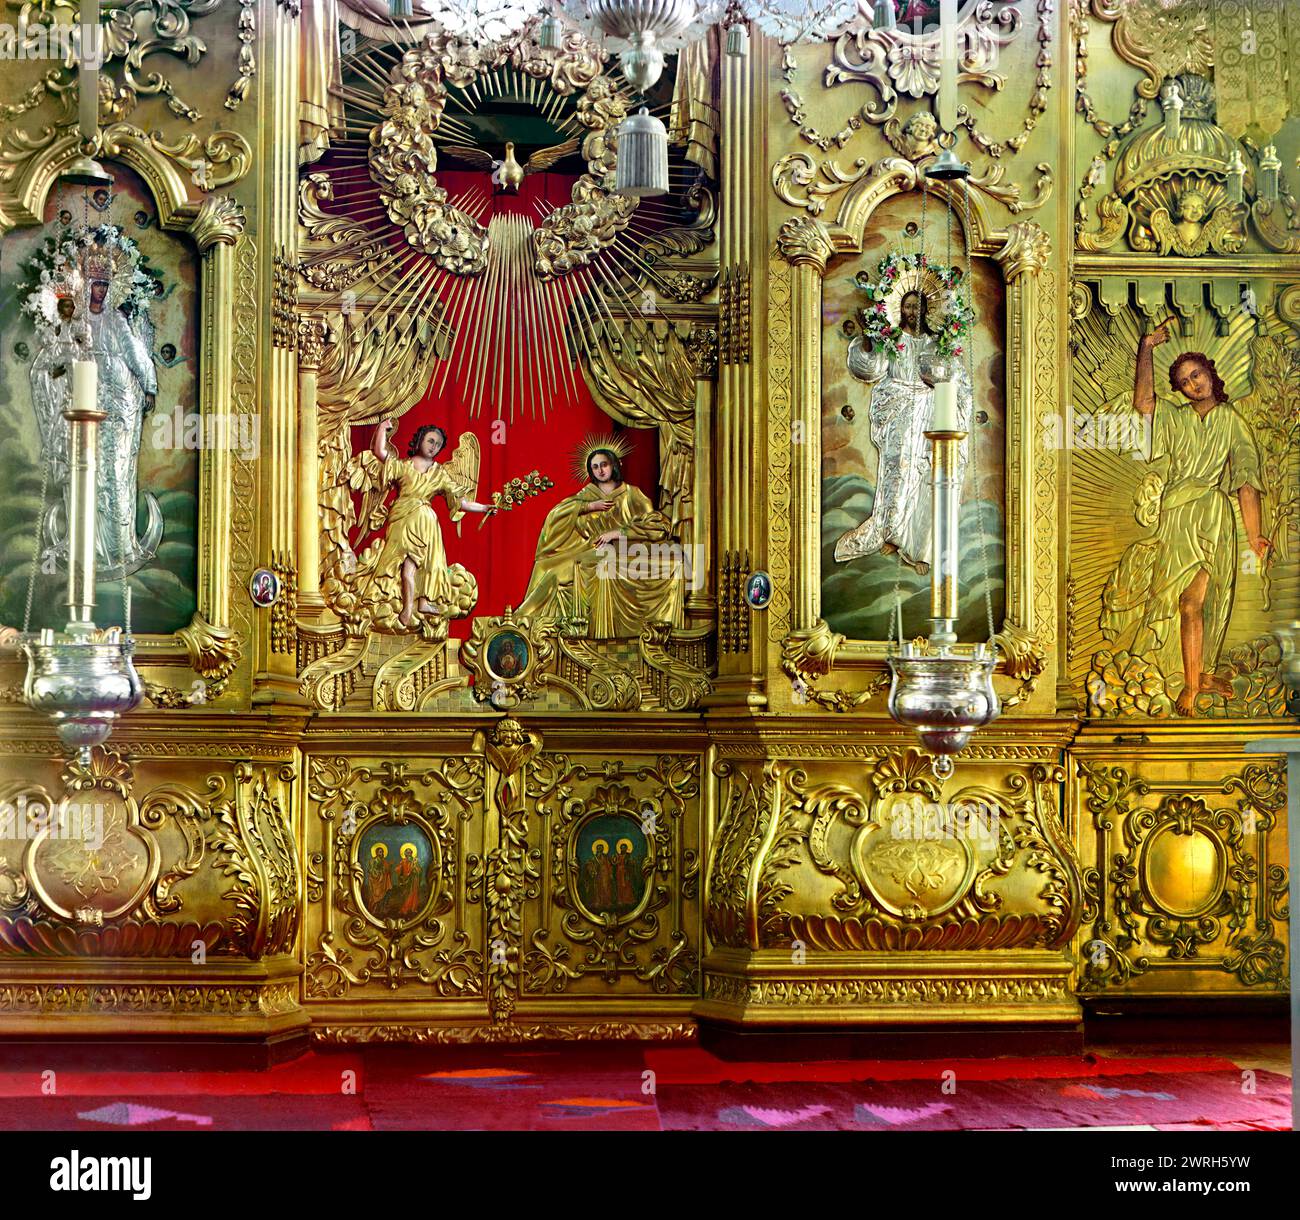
1188 187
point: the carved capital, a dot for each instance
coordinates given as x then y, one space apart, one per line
1027 248
220 219
313 335
803 240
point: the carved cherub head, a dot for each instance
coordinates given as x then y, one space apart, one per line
919 134
1192 206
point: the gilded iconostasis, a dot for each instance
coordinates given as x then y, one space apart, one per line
519 530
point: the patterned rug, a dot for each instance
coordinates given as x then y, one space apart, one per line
618 1087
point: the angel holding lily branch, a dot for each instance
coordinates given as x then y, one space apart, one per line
404 580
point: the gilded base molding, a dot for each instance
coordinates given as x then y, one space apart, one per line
551 1031
772 988
106 998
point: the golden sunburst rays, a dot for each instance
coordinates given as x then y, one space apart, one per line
511 349
512 338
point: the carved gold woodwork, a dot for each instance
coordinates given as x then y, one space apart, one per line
1113 505
784 881
403 159
355 947
648 931
179 866
1185 874
510 936
850 875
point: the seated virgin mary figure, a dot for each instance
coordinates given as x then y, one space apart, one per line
604 556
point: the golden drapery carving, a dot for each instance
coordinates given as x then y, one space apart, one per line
320 109
694 118
645 378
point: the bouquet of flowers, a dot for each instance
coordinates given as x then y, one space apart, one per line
517 490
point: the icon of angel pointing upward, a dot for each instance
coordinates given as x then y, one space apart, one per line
405 576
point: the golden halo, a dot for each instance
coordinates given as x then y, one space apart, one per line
600 843
918 279
592 442
621 842
376 849
415 851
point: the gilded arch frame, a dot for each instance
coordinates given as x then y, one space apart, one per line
215 224
806 250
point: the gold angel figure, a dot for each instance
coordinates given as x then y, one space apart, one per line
1196 230
1174 588
405 576
507 173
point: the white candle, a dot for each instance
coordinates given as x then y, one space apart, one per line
947 100
85 385
945 417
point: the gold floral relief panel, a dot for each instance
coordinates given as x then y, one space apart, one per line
612 902
879 855
146 858
1184 543
1185 876
387 843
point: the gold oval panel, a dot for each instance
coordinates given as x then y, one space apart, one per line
93 861
912 877
1184 874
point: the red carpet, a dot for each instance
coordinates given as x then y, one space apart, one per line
633 1088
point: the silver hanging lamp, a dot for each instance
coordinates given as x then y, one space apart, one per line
83 678
882 15
641 169
637 28
941 693
548 33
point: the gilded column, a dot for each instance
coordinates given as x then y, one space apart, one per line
806 245
313 334
275 656
737 436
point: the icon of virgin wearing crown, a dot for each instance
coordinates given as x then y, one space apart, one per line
91 301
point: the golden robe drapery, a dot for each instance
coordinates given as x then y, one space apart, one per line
617 589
